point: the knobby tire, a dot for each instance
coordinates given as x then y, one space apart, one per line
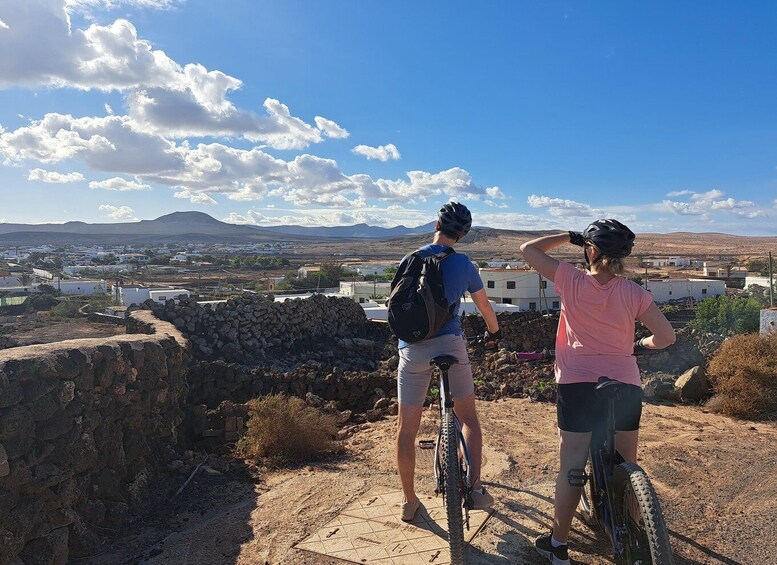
453 502
587 501
638 508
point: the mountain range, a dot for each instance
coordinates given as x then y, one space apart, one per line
188 227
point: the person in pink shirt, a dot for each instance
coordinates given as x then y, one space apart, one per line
595 338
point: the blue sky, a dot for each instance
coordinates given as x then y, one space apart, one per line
537 115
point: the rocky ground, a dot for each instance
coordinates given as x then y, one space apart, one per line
714 476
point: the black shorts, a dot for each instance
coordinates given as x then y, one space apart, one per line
578 408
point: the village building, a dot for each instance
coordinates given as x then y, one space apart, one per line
666 290
526 289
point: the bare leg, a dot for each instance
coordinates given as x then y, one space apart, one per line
409 421
573 452
464 408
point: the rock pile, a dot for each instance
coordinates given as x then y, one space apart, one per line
692 348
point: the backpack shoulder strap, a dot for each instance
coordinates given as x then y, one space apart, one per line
445 253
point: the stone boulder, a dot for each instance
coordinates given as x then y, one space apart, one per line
693 384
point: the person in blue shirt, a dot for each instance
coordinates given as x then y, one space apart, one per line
459 276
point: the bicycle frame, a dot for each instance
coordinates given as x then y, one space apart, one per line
604 459
446 406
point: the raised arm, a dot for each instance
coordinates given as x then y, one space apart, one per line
535 253
656 322
484 306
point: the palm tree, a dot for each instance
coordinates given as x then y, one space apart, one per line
25 279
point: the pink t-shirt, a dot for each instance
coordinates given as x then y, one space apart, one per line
595 335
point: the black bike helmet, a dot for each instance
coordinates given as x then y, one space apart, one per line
611 237
455 219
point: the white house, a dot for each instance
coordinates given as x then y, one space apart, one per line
361 291
671 261
375 269
170 294
80 287
664 290
75 269
751 279
502 264
525 289
138 295
723 270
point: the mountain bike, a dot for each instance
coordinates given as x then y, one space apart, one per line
452 465
620 497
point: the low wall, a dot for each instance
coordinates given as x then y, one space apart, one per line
251 329
83 426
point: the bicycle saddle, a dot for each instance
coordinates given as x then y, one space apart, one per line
608 388
444 361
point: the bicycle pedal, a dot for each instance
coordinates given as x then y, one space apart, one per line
426 443
577 478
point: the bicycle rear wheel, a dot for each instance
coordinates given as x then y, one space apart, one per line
638 514
453 500
586 506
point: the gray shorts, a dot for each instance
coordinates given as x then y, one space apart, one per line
415 371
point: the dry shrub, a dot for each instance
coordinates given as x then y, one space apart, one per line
283 430
744 376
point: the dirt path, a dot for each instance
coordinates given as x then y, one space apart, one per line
715 477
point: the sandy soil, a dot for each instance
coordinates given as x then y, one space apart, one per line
42 329
714 475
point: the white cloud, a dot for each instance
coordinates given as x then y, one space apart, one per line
495 193
388 217
3 25
381 153
163 96
117 212
53 176
110 4
680 193
108 110
704 204
330 128
204 111
114 144
562 208
451 183
119 184
195 198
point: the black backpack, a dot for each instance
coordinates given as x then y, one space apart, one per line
417 307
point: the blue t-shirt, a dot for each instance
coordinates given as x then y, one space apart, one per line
459 275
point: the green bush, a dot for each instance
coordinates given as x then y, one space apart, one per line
284 430
65 309
727 316
744 376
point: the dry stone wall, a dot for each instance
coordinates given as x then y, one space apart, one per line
253 329
84 424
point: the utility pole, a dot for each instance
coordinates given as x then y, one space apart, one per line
771 282
646 276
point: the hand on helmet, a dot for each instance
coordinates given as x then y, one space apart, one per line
576 238
491 340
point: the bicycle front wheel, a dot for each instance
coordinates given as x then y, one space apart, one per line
638 514
453 500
